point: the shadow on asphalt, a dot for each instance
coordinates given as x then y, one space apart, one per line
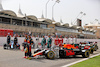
43 58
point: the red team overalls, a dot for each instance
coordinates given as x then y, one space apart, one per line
60 41
56 41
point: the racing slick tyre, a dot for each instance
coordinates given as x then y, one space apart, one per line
50 55
86 54
95 48
61 53
91 50
4 46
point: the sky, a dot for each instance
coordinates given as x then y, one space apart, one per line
67 10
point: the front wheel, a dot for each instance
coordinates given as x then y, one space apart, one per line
50 55
86 54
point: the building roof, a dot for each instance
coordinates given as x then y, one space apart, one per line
94 24
76 27
66 25
57 23
9 13
45 20
32 17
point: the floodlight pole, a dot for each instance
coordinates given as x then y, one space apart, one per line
57 1
76 17
46 8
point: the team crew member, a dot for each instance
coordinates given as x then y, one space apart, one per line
60 41
70 40
75 40
30 42
8 38
26 52
15 41
43 43
56 41
66 41
49 42
37 41
25 41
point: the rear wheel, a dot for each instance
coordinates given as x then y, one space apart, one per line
61 53
91 50
4 46
50 55
86 54
95 48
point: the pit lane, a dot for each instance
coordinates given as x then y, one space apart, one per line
14 58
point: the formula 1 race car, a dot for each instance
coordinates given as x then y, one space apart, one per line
92 46
87 45
95 46
73 50
11 46
66 51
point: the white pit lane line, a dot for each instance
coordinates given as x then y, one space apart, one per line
80 61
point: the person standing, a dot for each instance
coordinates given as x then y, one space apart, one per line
26 52
37 41
49 42
66 41
60 41
15 41
75 40
43 43
30 42
56 41
70 40
8 38
25 42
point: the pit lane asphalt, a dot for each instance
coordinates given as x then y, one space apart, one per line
14 58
